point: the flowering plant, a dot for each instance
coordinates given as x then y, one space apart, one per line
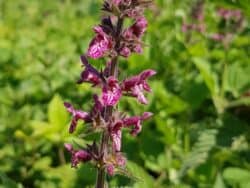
111 41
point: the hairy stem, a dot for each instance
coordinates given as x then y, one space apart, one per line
100 181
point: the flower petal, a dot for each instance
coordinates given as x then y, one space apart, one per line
139 27
68 147
100 44
110 169
147 74
77 115
111 92
137 91
116 140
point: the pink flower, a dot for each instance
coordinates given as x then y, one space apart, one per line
116 135
134 12
218 37
98 108
120 160
125 52
139 27
111 92
136 122
136 30
115 128
117 2
90 74
116 140
77 115
100 44
127 2
229 14
135 85
116 160
138 48
110 169
122 2
77 156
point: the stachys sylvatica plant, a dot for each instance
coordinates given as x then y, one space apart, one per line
111 41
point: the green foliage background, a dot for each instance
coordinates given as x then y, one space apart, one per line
200 133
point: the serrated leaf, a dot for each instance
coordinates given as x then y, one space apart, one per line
206 141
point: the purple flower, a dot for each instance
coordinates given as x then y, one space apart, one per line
117 2
110 169
90 74
197 12
128 34
187 27
122 2
218 37
139 27
138 48
127 2
120 160
135 85
112 40
116 160
107 69
111 92
115 128
136 30
132 37
134 12
228 14
116 140
77 115
116 135
77 156
136 122
100 44
125 52
68 147
98 108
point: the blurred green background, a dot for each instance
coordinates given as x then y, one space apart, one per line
200 133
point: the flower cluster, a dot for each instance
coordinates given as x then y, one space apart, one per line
112 40
230 22
197 15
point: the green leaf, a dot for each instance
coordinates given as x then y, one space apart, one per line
200 151
237 79
64 173
166 101
57 114
239 176
144 179
198 49
196 93
7 182
42 164
208 76
219 183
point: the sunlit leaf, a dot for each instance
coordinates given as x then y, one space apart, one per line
57 113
